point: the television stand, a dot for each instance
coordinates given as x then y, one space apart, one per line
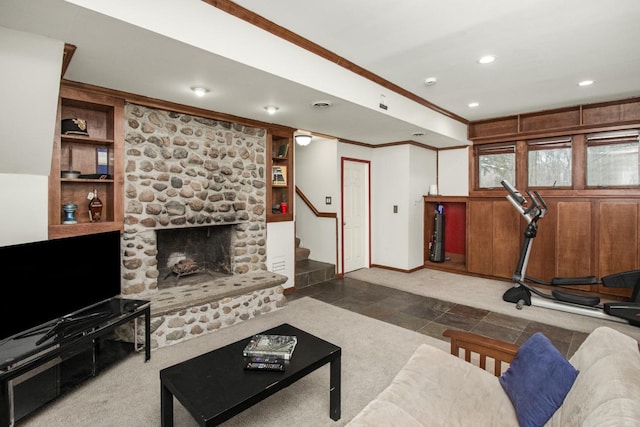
40 355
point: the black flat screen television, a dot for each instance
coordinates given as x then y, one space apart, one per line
44 281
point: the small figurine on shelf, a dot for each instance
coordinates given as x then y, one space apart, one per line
95 206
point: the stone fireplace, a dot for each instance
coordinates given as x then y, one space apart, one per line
193 185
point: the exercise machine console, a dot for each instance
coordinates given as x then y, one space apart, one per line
532 210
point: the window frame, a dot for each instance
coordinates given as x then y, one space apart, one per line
553 143
596 139
489 149
578 159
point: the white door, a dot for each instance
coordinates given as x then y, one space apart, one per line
355 215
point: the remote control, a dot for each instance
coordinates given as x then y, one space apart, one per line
257 366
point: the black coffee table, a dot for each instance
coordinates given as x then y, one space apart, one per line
215 386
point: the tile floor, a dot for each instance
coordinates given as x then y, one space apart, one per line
431 316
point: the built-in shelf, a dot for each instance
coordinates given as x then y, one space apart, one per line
104 117
280 176
454 232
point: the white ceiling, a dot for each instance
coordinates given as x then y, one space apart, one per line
543 48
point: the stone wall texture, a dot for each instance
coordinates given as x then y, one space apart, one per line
186 171
199 319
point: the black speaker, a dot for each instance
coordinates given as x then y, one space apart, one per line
437 242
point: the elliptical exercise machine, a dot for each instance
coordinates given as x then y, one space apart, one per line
534 210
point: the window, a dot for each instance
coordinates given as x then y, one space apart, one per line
612 159
549 162
496 162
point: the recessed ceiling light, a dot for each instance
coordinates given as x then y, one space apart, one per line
585 83
430 81
473 104
200 91
271 109
487 59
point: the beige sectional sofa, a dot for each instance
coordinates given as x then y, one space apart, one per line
436 388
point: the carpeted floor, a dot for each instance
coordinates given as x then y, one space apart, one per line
128 393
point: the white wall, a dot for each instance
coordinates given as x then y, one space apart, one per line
422 172
353 151
389 188
453 172
317 176
280 253
400 177
23 211
29 83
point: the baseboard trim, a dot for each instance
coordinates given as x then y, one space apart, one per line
384 267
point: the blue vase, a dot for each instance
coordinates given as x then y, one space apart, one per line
69 213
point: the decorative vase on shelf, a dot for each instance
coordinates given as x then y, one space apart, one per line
95 207
69 213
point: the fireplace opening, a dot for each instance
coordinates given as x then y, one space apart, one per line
193 255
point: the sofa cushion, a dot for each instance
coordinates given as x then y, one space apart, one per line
607 391
437 388
537 381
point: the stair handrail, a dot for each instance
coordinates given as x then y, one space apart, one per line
319 214
315 211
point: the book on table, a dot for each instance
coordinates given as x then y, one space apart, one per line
280 346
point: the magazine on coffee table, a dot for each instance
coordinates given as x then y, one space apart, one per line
281 346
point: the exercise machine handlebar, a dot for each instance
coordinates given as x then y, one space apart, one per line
533 209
